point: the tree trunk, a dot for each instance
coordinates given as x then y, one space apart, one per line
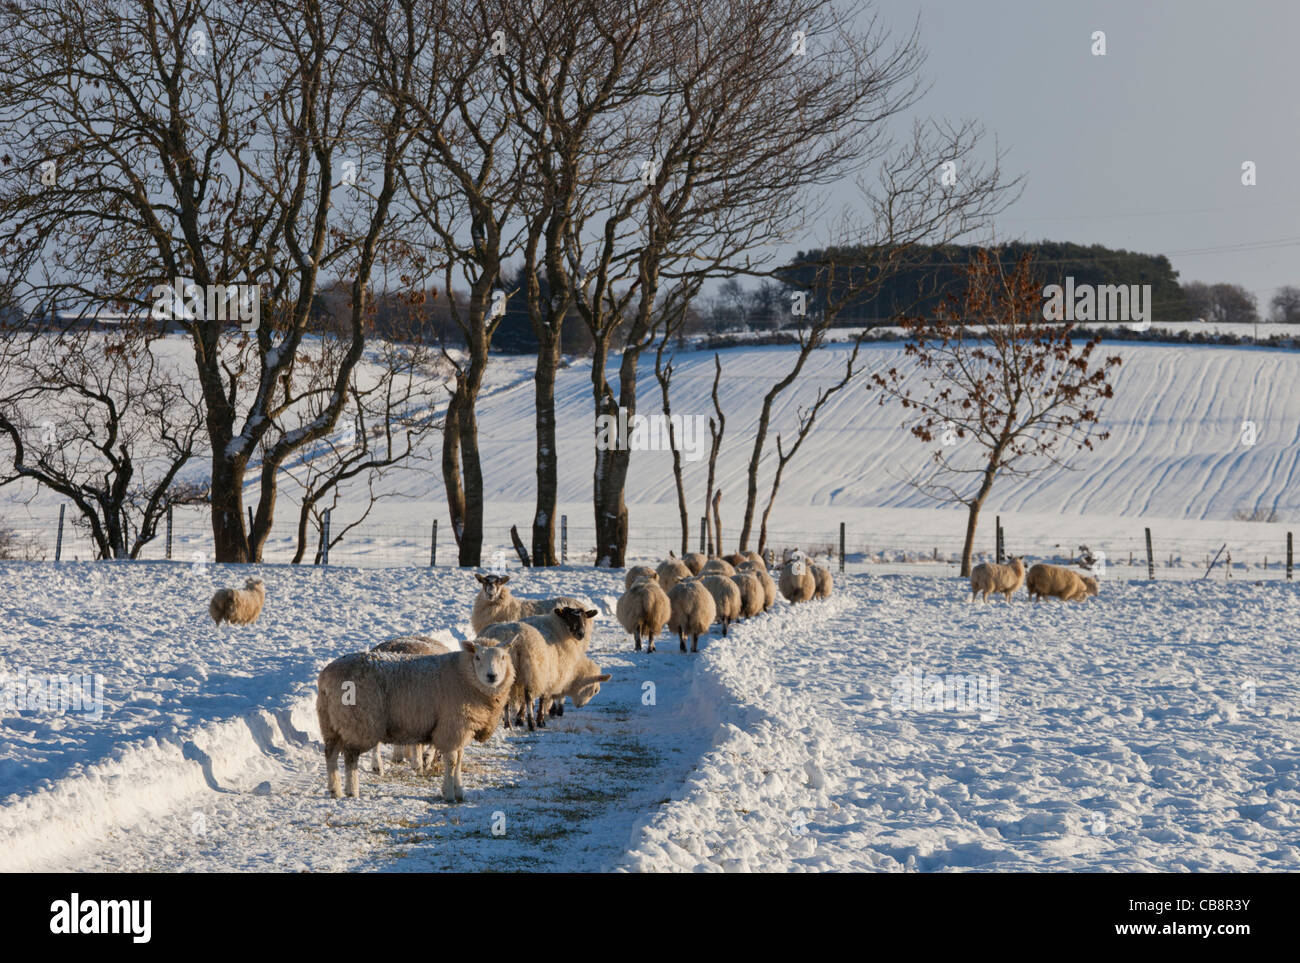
229 535
548 359
471 541
717 520
969 546
451 464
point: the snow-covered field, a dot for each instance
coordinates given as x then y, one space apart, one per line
1153 728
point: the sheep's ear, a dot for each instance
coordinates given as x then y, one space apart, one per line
559 611
605 677
671 554
502 579
468 645
591 613
480 577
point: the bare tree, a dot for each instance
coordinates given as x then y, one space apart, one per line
717 428
1020 389
1286 305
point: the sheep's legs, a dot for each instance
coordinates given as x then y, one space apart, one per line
695 643
637 635
543 703
449 763
377 764
724 628
350 759
459 785
332 767
528 711
682 638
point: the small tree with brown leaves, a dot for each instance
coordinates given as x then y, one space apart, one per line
1003 390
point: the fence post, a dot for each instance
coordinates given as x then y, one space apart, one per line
433 545
998 538
704 524
325 538
58 542
169 533
841 548
1151 559
1288 556
564 539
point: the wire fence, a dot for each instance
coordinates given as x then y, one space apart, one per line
415 541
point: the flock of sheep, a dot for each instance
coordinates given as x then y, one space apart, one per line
1042 580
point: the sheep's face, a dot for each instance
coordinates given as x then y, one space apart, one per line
575 620
491 664
588 687
1093 585
255 584
493 586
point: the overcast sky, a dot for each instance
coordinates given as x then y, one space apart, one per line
1141 148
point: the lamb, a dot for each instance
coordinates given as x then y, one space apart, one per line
751 593
692 612
638 572
420 757
672 571
726 597
238 606
494 604
543 673
367 698
643 610
1057 582
797 582
718 566
989 577
822 580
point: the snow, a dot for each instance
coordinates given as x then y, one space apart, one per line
1152 728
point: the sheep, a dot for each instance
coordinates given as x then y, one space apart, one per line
694 561
638 572
718 566
769 588
585 682
420 757
822 580
751 593
567 631
1062 583
726 597
989 577
735 558
756 558
672 571
367 698
692 612
797 581
494 604
643 610
238 606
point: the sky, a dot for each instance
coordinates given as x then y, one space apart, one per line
1141 148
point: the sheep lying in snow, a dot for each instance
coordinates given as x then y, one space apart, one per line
797 581
672 571
692 611
726 597
636 573
718 566
643 610
367 698
566 632
494 603
822 581
751 593
989 577
1057 582
238 606
420 757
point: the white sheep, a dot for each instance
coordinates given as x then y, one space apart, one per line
751 593
822 581
566 632
797 582
726 597
1057 582
419 756
989 577
671 571
718 566
692 611
638 572
368 697
643 610
238 606
494 603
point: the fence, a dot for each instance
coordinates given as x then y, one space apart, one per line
414 540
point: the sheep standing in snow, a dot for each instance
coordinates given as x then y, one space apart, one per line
495 603
735 558
989 577
691 612
1057 582
371 697
718 566
238 606
643 610
695 561
542 674
822 581
751 593
420 757
797 582
765 580
726 597
672 571
636 573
